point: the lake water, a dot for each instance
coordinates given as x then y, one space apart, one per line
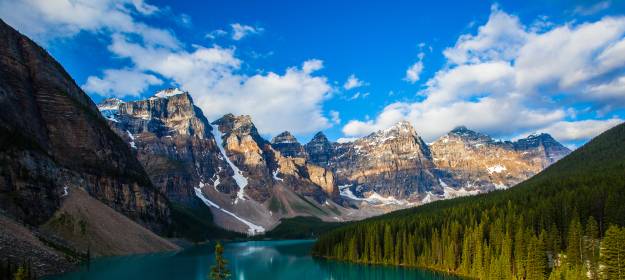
274 260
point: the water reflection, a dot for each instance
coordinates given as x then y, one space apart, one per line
248 260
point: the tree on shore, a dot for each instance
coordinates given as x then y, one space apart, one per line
219 271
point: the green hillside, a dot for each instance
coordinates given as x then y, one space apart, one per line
548 226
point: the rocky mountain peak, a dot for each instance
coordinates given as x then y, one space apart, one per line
543 144
284 138
319 137
288 145
400 129
319 149
538 139
239 125
466 134
169 92
110 104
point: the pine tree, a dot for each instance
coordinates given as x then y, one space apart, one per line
219 271
574 243
613 253
592 247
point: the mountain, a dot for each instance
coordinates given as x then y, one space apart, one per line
549 225
477 162
246 181
395 167
56 149
255 183
394 162
288 145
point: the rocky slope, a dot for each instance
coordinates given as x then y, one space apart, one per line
54 141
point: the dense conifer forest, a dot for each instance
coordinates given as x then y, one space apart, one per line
564 223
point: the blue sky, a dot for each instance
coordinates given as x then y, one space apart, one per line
507 68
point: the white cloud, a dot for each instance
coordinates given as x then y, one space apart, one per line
215 34
240 31
121 82
276 102
291 100
312 65
414 71
508 79
335 116
144 8
580 130
592 9
353 82
45 20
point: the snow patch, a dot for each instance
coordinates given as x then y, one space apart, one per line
132 139
65 191
443 184
252 228
453 193
374 198
168 92
275 176
500 186
238 174
496 169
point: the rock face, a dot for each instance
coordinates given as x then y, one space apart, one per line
172 140
288 145
541 147
53 139
253 183
319 149
393 162
394 166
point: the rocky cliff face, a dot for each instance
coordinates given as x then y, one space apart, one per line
288 145
53 140
392 162
173 141
253 184
319 150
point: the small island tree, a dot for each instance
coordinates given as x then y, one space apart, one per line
219 271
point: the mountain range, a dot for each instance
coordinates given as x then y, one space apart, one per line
251 183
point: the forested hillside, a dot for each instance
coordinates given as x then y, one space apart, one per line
564 223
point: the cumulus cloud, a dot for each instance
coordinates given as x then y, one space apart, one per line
121 82
580 130
508 79
289 100
353 82
336 117
45 20
215 34
592 9
292 100
240 31
413 72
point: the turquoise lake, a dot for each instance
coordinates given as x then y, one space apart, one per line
274 260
